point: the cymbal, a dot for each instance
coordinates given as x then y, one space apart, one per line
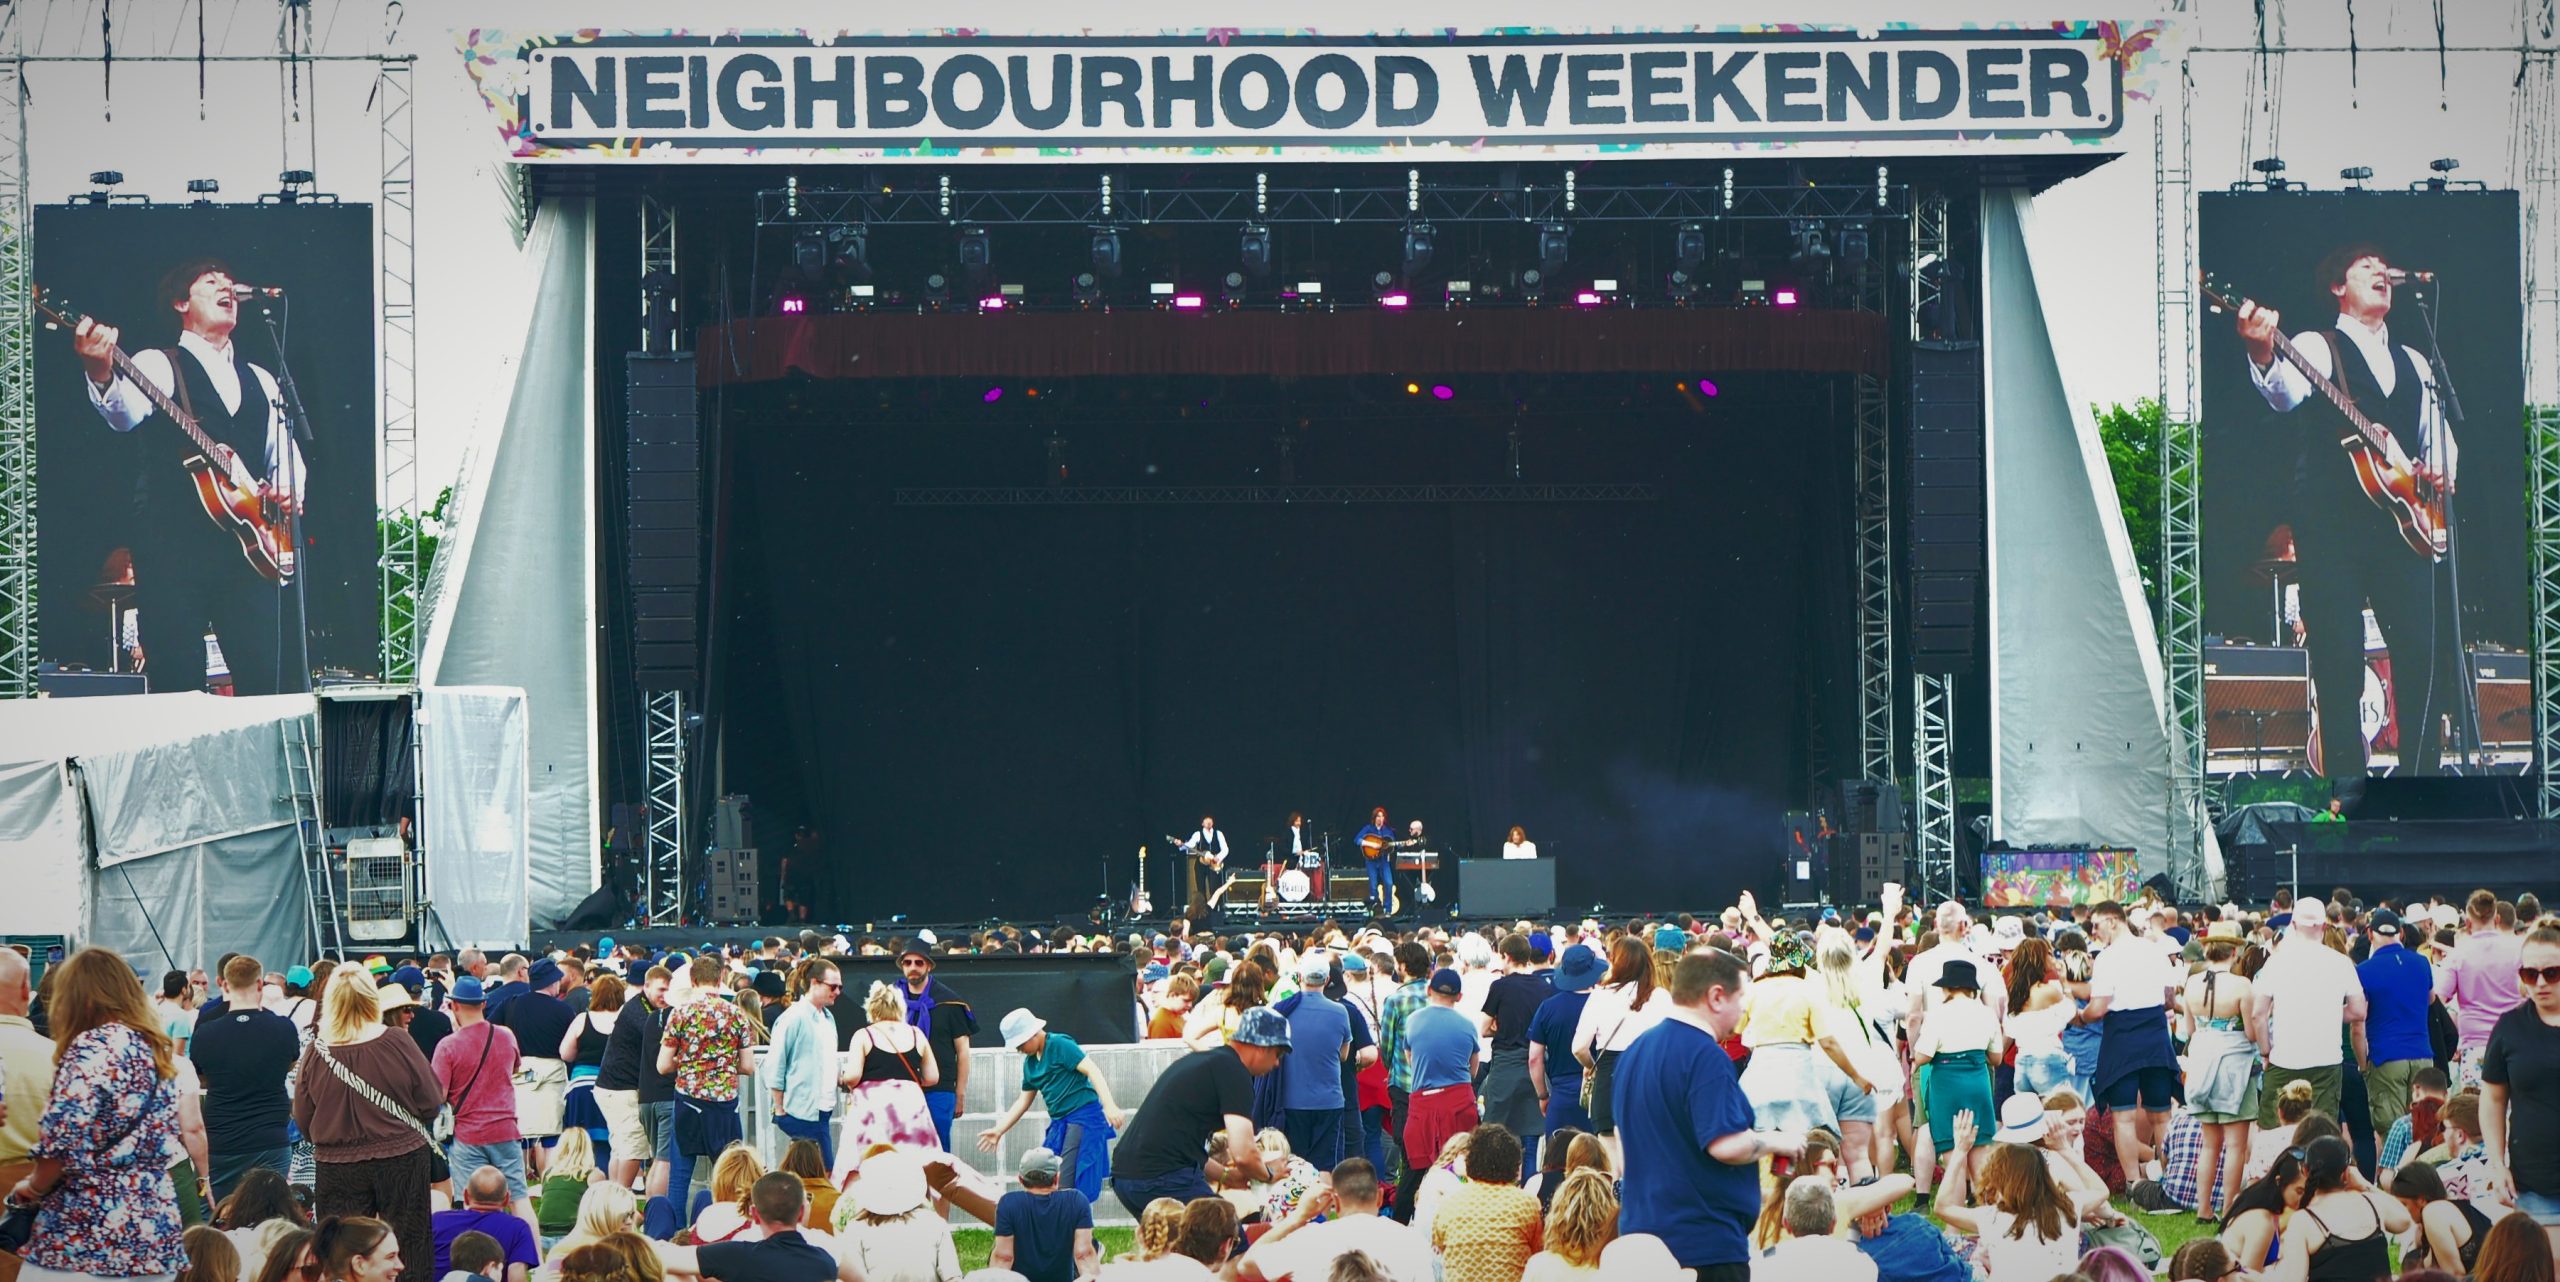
2276 569
111 593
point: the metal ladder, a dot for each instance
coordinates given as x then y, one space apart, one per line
320 889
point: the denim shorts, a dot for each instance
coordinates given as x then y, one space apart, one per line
2543 1207
507 1156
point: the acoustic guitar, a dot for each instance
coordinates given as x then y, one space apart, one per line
232 498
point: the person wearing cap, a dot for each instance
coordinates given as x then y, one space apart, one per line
945 1020
1953 1054
1553 1071
1069 1085
1692 1153
476 1068
243 1055
426 1025
1203 1096
2392 1044
1311 1095
2301 995
540 1020
2137 1074
1043 1232
1440 1050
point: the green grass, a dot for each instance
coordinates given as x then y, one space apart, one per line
974 1244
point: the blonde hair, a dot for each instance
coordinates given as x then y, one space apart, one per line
606 1208
1272 1142
1158 1226
883 1003
351 1008
1583 1219
576 1154
2294 1101
734 1176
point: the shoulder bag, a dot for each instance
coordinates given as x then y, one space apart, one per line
438 1169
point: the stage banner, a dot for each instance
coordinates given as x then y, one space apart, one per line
192 531
602 96
2058 878
2362 488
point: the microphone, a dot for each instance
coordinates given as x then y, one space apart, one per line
257 291
2396 274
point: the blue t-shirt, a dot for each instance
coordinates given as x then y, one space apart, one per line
1441 1042
2397 982
1311 1073
515 1237
1674 1093
1043 1228
1552 1027
1057 1073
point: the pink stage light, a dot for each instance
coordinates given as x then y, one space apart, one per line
1588 298
1786 298
1395 300
991 303
1187 302
1443 391
1706 387
792 306
993 395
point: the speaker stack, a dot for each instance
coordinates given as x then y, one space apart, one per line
664 520
1946 505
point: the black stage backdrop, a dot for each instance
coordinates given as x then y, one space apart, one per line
982 706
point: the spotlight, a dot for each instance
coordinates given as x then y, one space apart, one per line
2355 176
1253 249
977 254
203 187
1106 252
101 191
1188 302
791 305
992 395
1689 246
809 253
1786 298
1442 391
937 289
1589 298
1413 389
2441 172
1088 288
1555 244
1398 299
1533 284
1707 386
991 303
1418 238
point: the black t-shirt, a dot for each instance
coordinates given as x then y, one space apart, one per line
655 1087
1189 1103
244 1057
2524 1057
429 1027
1512 1002
539 1021
620 1070
784 1257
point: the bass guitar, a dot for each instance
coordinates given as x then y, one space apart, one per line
1208 859
2387 474
233 499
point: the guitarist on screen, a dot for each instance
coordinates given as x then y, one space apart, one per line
2353 552
190 572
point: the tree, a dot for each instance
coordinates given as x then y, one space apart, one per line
2131 435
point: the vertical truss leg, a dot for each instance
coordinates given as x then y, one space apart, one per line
2181 586
399 270
1875 579
1933 736
17 399
2538 173
662 850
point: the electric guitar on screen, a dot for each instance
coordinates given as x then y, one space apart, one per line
233 498
2385 471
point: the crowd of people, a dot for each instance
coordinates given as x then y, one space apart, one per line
2335 1091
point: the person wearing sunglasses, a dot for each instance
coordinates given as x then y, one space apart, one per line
800 1067
2520 1076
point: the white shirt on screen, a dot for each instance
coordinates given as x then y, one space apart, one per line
2285 387
1519 850
124 406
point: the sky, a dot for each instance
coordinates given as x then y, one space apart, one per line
2391 111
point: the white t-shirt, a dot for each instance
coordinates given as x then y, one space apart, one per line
2310 985
1309 1253
1172 1268
1956 1027
1800 1258
2026 1258
1547 1266
1926 968
2130 974
1519 850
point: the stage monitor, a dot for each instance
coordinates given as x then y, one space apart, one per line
189 529
2362 616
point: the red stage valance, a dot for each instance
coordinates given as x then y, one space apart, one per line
1550 340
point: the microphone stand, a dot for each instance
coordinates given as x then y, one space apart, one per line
2466 691
300 421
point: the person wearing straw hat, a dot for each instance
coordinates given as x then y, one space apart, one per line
1082 1115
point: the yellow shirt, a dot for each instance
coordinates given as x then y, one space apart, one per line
1778 1010
27 1057
1486 1232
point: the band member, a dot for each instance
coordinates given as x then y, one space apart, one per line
2351 551
192 573
1518 845
1282 854
1381 856
1206 848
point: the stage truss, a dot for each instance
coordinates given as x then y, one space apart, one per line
1933 694
662 838
2535 168
396 480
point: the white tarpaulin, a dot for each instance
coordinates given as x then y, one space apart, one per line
476 762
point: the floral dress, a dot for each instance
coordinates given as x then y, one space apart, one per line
112 1121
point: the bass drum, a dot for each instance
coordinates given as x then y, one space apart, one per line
1294 886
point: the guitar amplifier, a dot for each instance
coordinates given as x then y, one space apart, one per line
54 682
2505 683
2257 703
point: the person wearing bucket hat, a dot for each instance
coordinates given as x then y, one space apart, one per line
2022 1120
1553 1071
1954 1051
1202 1102
1083 1117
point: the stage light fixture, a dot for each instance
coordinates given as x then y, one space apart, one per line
1442 391
2355 176
1786 298
1413 389
991 303
1396 300
977 253
2441 173
791 305
1253 249
851 246
1088 288
809 253
1418 238
1555 245
1689 246
1589 298
1533 284
101 191
937 289
1854 244
1707 387
1188 302
992 395
1106 252
203 189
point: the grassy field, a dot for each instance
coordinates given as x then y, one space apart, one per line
2173 1229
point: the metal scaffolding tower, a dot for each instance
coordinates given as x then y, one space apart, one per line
17 398
1933 694
398 218
2181 588
662 847
1873 479
2537 173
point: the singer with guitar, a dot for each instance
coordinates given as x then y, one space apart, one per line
193 575
2373 461
1206 848
1377 846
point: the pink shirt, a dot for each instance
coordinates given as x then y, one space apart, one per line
487 1114
2480 980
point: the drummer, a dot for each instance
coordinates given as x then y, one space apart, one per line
1286 851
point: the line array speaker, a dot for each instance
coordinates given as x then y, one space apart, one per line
1945 531
663 519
